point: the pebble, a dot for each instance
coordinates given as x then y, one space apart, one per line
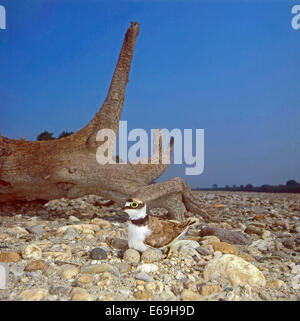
132 256
85 279
224 247
205 251
143 295
118 243
80 294
101 223
74 219
58 252
210 239
147 268
275 284
228 289
210 289
123 267
59 290
190 251
251 229
37 294
79 228
98 254
224 235
97 268
40 265
178 244
104 279
265 235
235 269
263 245
32 251
125 292
36 275
68 272
36 229
144 276
17 231
9 257
70 234
150 256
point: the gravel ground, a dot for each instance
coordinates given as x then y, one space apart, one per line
245 246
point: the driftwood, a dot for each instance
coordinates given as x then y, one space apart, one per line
67 167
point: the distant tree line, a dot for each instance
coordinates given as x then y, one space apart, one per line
45 135
291 186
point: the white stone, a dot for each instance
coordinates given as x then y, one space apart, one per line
74 219
147 268
31 251
235 269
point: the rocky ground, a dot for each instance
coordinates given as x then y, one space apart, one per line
245 246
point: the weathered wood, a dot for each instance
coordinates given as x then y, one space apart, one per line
67 167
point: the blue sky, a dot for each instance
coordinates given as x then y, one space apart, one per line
229 67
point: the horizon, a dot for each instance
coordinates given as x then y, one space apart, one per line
230 69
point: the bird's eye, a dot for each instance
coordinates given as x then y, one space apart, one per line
134 204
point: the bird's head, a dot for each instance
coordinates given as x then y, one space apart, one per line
135 209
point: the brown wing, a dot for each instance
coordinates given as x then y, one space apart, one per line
163 231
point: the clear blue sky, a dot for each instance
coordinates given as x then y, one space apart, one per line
230 67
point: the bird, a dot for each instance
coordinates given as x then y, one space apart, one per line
147 231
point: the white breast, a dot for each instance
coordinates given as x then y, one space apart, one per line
136 237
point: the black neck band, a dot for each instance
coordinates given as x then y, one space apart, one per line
140 221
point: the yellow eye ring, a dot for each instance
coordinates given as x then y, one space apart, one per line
134 204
